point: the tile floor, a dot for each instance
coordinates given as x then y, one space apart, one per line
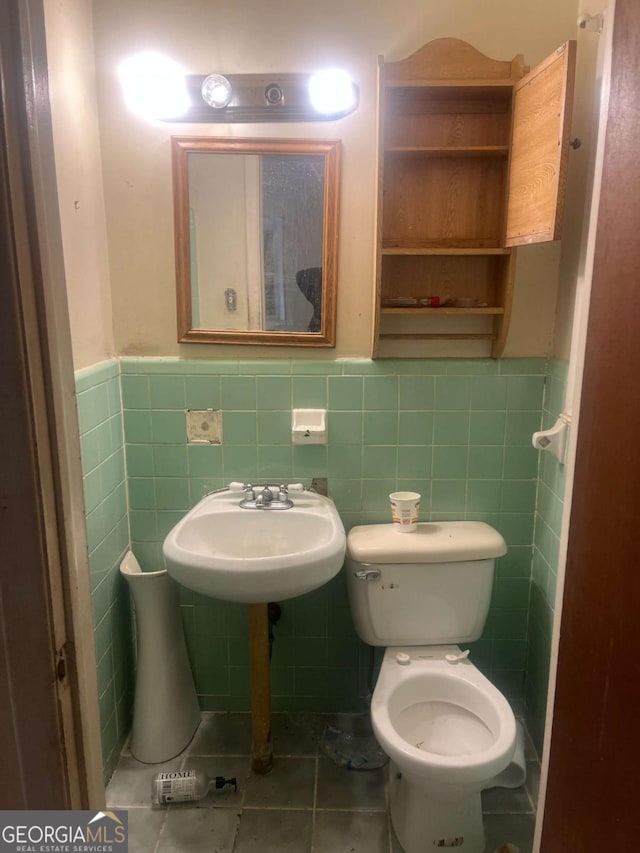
307 804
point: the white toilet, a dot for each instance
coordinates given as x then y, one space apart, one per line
447 730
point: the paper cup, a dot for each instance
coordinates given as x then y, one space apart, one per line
404 511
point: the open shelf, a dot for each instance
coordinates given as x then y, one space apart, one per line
444 151
443 251
444 310
444 156
461 182
432 336
479 88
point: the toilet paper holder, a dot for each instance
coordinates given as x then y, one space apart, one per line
554 439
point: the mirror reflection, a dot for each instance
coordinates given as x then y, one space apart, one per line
256 226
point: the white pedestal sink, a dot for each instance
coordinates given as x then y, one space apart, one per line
255 556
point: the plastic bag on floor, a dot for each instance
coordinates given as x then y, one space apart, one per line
353 751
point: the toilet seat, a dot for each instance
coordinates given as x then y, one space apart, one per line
440 719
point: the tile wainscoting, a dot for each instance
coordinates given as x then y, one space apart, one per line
544 568
99 406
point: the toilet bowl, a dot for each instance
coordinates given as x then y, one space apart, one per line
447 729
443 722
448 732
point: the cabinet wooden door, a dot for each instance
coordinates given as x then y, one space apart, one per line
542 105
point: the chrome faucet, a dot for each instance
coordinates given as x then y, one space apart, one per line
265 499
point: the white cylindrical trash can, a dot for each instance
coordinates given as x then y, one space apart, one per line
165 709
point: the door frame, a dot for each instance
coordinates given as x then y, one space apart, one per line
49 712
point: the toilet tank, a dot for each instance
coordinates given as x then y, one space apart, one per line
428 587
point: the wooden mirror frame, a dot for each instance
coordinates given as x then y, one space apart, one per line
329 149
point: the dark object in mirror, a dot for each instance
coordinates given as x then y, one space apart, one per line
310 284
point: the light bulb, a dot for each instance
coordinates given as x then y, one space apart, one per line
217 91
332 91
154 86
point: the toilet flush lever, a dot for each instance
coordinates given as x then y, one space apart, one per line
458 658
367 575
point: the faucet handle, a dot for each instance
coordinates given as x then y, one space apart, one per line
250 495
283 492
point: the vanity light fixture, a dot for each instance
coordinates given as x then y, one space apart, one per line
154 86
254 98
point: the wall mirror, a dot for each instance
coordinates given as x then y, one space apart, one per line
256 228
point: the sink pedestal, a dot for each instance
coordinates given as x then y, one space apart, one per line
260 673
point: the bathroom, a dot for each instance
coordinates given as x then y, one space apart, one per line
452 424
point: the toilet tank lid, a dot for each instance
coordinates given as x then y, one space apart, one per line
432 542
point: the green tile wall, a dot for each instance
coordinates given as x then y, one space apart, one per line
457 431
101 436
544 567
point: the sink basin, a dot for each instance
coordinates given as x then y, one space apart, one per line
256 555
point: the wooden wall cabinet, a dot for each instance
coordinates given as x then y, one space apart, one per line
472 163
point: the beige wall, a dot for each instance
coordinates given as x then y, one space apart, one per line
79 174
255 36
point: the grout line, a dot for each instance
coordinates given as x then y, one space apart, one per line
315 801
243 796
290 808
161 831
387 773
236 834
124 454
232 755
365 809
533 805
286 808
